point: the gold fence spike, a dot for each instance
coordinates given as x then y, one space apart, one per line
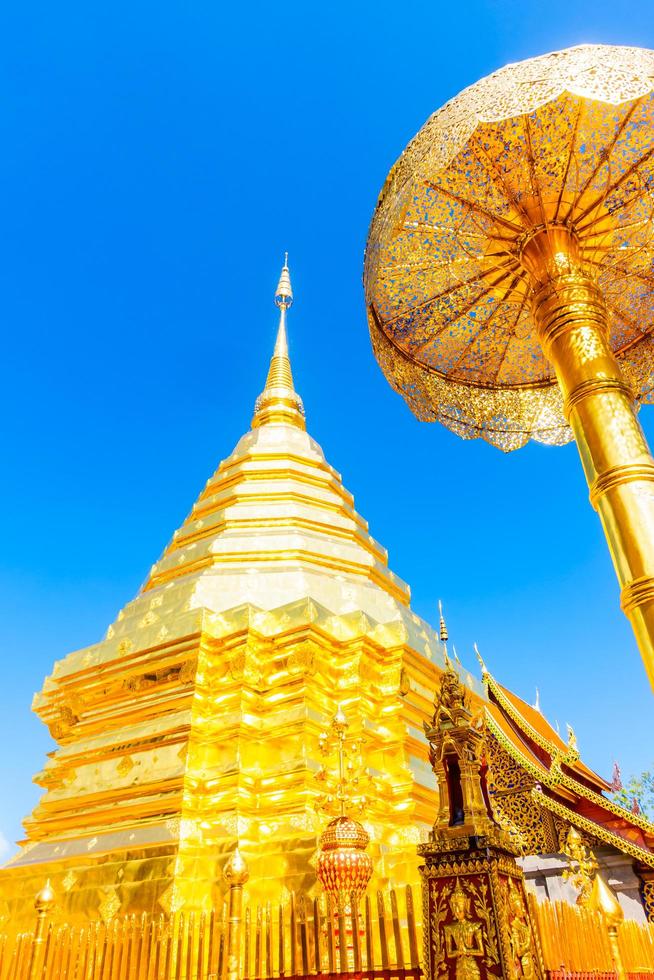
190 942
246 943
397 932
370 960
202 942
414 957
179 946
268 940
383 938
316 937
304 945
167 951
331 936
281 942
293 935
342 935
221 942
356 939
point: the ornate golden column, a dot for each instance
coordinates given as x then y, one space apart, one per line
571 320
510 279
236 874
43 903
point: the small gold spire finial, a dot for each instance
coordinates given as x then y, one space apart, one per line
484 669
442 624
284 291
45 898
279 402
236 871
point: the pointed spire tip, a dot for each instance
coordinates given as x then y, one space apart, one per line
284 291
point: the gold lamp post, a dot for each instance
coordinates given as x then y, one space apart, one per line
510 281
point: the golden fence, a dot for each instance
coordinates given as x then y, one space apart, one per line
577 940
302 937
297 938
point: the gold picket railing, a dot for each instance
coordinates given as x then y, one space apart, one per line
576 940
298 938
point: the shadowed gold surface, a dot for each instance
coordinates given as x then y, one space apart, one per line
560 140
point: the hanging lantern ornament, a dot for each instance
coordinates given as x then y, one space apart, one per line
510 285
344 867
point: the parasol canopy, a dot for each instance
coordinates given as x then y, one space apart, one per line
566 139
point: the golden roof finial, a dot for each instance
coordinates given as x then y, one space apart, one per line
484 669
279 401
442 625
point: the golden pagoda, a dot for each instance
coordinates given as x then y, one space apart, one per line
194 725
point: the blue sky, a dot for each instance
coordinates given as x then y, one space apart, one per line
157 160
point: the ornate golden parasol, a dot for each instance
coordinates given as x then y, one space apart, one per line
509 278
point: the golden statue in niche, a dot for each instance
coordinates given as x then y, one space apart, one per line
463 938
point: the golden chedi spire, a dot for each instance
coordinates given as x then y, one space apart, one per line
194 722
279 402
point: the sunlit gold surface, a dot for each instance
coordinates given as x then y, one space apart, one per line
511 249
564 139
195 722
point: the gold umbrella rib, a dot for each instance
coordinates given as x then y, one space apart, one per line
604 157
572 145
463 312
613 187
485 326
499 182
477 208
450 289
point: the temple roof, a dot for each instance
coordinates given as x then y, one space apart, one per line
561 782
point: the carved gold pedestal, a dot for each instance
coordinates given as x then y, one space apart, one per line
476 921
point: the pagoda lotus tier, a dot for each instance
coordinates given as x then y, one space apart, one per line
195 722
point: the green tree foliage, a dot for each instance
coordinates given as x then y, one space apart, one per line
641 789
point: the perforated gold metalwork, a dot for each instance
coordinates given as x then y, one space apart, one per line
563 140
514 808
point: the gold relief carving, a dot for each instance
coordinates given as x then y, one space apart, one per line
156 602
163 633
170 900
148 620
69 880
405 682
109 906
463 928
521 938
110 633
125 646
125 765
463 939
236 665
302 661
582 864
64 723
514 808
648 899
